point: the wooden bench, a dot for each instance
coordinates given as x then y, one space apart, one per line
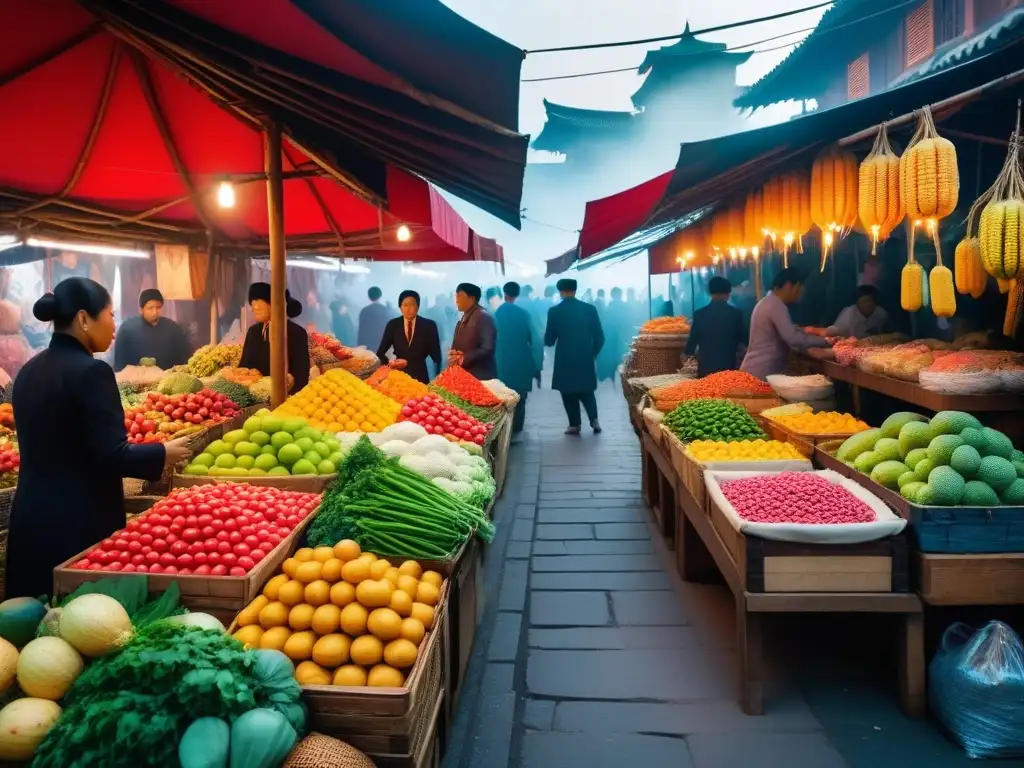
699 547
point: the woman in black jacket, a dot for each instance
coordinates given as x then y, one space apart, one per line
73 442
412 338
256 349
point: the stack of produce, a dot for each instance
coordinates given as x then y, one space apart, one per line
448 465
208 530
407 432
723 384
797 388
478 412
392 510
143 376
706 451
341 402
10 461
398 385
821 423
466 386
442 418
244 376
672 325
795 497
267 444
211 358
717 420
7 415
360 361
262 390
507 396
159 417
975 372
320 343
237 393
345 617
949 460
790 409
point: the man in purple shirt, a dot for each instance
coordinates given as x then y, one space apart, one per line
772 332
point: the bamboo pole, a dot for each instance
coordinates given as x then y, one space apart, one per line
278 316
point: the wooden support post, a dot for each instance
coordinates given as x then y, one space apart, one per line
278 316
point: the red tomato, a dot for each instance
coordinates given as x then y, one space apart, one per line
235 537
219 570
160 545
200 558
170 569
178 548
107 544
146 539
191 534
256 555
152 557
146 528
167 559
229 559
129 568
83 564
185 560
156 569
241 548
201 570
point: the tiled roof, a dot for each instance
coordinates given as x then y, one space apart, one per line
568 124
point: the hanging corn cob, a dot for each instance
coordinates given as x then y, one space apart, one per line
967 267
833 195
1002 218
911 278
929 178
879 203
753 223
1004 285
940 285
773 201
1014 307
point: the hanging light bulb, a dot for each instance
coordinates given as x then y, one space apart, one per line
226 195
403 234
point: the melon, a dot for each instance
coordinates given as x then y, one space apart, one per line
19 618
24 724
8 664
48 667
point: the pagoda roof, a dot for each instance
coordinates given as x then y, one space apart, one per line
669 60
805 73
566 125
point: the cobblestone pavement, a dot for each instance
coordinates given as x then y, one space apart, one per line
592 652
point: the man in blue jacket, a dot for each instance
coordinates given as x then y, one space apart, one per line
520 354
574 330
718 331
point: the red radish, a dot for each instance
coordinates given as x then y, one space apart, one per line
795 497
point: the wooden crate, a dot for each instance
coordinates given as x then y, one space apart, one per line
690 473
429 748
386 721
302 483
779 566
220 596
971 579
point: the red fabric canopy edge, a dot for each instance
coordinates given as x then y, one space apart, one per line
611 219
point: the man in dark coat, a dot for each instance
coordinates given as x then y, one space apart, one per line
475 336
520 354
574 329
718 331
151 335
372 319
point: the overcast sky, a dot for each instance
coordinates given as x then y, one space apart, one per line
533 24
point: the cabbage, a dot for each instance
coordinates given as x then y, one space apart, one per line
432 444
394 448
200 620
404 431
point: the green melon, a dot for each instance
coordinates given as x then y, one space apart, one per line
910 490
966 460
997 472
997 444
977 494
925 496
915 434
1014 494
889 449
914 457
906 478
892 426
867 461
947 486
887 473
974 437
1019 466
940 450
19 619
857 444
952 423
1017 455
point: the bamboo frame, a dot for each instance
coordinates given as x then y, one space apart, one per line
278 316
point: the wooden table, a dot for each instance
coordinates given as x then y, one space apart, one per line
659 486
698 546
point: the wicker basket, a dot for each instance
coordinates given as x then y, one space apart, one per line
6 502
319 751
655 356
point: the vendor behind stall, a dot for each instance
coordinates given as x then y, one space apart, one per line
718 331
863 319
149 334
256 350
772 332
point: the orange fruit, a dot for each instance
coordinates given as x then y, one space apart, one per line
355 571
303 555
251 613
373 593
249 636
323 554
401 603
400 654
309 572
433 577
408 584
392 575
424 613
275 638
299 646
385 624
383 676
274 615
332 650
350 676
427 593
342 594
291 592
378 568
289 567
331 572
301 617
413 631
309 673
326 619
353 619
367 651
318 593
270 590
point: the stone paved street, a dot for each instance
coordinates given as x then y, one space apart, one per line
593 653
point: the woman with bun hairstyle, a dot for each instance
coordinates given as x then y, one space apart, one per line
256 350
73 443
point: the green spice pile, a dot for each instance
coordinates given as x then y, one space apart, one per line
717 420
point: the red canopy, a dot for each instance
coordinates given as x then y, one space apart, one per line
610 219
101 141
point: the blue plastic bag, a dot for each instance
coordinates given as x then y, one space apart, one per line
976 689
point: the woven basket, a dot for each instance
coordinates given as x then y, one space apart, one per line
6 502
652 356
319 751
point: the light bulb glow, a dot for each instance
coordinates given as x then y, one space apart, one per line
226 195
403 234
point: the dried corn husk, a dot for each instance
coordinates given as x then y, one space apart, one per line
833 196
929 177
1002 217
879 203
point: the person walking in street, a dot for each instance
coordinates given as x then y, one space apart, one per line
413 338
520 354
574 330
372 319
772 332
615 324
149 334
341 322
475 337
718 331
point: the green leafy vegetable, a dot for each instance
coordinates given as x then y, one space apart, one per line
167 605
131 591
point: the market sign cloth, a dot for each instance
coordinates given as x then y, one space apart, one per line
105 140
727 167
